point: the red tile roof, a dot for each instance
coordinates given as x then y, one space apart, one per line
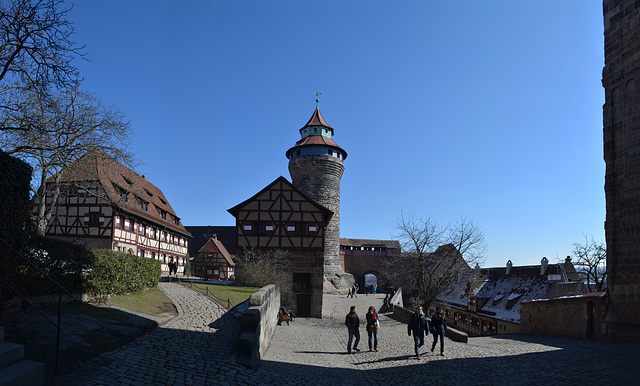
317 120
215 246
118 181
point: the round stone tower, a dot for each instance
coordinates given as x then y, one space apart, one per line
316 166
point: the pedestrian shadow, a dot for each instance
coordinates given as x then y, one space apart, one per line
321 352
388 359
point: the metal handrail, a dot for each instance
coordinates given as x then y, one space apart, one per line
208 293
61 289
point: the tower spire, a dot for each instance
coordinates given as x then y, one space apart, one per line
317 94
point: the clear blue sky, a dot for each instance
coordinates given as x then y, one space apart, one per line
488 109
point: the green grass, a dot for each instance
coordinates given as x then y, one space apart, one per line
152 302
220 293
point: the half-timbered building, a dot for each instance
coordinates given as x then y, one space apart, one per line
102 204
282 217
213 262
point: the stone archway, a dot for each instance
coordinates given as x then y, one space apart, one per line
371 282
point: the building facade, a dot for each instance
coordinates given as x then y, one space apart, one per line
104 205
282 217
621 118
213 262
361 257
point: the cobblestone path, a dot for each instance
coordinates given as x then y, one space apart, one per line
196 347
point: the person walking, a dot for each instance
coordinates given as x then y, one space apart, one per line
353 291
353 326
373 325
418 325
438 329
349 293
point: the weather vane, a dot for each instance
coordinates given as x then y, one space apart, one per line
317 94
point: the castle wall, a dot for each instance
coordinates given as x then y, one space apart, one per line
621 118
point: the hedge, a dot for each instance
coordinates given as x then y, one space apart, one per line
117 273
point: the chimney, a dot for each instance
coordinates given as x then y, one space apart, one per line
509 265
544 263
567 260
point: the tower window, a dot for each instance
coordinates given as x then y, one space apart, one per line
330 152
298 152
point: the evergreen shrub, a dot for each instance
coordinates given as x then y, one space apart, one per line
118 273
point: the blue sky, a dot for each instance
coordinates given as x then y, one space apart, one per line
489 109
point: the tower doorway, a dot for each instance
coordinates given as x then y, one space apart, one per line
304 305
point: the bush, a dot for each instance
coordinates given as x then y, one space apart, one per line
15 177
64 262
117 273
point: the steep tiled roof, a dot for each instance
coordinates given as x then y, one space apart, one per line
317 120
389 244
124 188
214 246
201 234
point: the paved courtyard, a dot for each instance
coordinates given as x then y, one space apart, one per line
195 348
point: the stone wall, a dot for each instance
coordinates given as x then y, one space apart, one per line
257 326
621 118
318 176
453 334
578 317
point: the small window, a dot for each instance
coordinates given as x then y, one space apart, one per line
298 152
302 229
258 228
330 152
94 219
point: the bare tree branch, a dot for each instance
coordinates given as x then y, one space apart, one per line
65 126
591 262
434 257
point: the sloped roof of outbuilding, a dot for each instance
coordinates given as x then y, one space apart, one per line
214 245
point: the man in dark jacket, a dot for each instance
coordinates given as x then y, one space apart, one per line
438 328
419 325
353 325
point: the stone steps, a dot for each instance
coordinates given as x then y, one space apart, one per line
14 369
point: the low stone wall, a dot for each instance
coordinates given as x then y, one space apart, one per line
396 299
257 326
453 334
578 316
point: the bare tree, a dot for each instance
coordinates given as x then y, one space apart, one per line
258 268
36 49
62 129
591 262
434 257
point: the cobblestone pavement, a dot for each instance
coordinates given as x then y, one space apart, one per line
195 348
